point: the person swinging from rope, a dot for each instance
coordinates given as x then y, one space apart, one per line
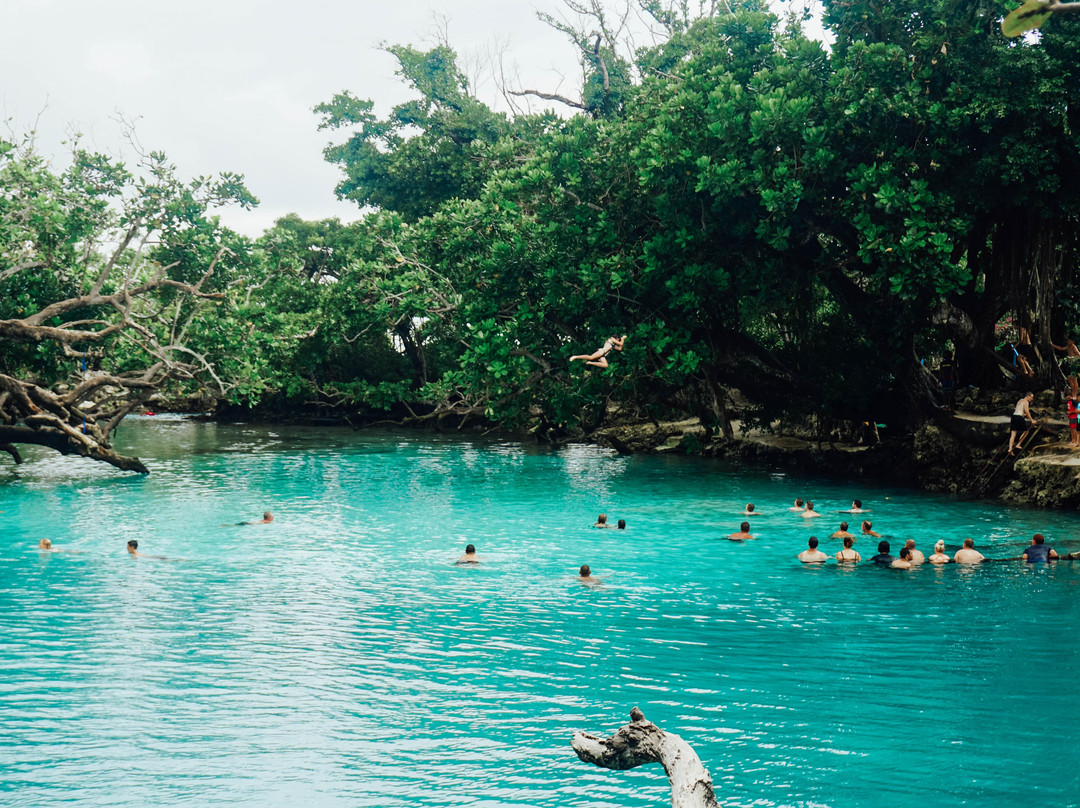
599 358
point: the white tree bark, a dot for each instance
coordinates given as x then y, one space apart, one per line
641 742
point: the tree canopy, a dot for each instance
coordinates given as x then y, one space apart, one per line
760 214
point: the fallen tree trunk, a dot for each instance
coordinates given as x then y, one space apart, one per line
641 742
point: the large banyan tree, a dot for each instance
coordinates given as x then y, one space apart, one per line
107 280
756 211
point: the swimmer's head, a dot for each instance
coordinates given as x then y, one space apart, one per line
621 524
1038 538
812 542
866 525
809 505
750 507
132 546
469 549
857 503
848 541
798 503
883 547
601 519
905 553
585 571
910 543
45 544
939 546
268 517
969 543
745 527
843 525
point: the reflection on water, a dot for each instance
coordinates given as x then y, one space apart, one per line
337 657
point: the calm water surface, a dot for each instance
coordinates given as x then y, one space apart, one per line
337 657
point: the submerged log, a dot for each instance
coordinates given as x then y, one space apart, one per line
641 742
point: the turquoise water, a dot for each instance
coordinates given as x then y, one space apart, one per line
337 657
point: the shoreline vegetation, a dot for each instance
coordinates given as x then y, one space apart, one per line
854 258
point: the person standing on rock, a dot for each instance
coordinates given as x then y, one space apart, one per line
1073 411
1071 363
1021 415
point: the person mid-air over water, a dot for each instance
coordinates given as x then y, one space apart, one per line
599 358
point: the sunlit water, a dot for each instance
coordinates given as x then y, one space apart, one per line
337 657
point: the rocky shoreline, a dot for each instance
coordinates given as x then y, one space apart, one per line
960 453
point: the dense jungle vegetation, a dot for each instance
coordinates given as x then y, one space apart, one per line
756 212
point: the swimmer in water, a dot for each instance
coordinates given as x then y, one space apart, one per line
601 521
798 507
939 556
743 534
868 530
469 557
968 554
904 561
45 544
812 555
843 533
917 557
133 548
810 513
749 510
856 507
848 555
586 577
621 525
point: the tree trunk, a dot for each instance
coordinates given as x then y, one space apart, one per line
641 742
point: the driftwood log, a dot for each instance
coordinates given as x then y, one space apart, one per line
641 742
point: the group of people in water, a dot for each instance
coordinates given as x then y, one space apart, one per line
909 556
46 545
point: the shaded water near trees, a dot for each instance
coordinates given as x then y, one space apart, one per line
337 657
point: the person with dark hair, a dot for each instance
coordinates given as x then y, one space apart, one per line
856 507
133 548
749 510
586 577
798 507
883 558
812 555
904 561
842 533
848 555
1039 550
621 525
601 521
743 534
1021 415
469 557
968 554
810 513
868 530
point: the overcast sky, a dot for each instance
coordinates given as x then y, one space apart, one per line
229 85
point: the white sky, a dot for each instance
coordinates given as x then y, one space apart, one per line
229 85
